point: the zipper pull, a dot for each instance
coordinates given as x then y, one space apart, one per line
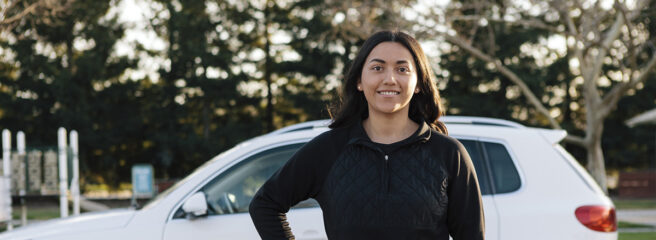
386 175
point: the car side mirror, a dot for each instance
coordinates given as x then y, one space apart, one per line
196 205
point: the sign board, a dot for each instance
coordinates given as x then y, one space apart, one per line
50 174
5 200
143 180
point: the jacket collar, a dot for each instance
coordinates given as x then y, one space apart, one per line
359 136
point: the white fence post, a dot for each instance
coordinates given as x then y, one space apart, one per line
20 142
6 150
75 182
5 202
63 172
6 169
20 145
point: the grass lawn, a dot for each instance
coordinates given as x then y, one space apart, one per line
37 213
635 203
33 213
624 204
637 236
622 224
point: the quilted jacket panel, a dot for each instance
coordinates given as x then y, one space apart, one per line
423 187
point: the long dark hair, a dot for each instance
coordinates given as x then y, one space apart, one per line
424 106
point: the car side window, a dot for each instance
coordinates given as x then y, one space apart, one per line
476 156
232 191
505 175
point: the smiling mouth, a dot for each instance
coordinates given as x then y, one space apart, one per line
388 92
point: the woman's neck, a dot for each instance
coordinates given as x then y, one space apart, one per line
389 128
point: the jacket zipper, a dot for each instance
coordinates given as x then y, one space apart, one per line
386 174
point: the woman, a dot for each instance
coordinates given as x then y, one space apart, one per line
386 170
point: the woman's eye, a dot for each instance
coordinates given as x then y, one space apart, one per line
377 68
404 69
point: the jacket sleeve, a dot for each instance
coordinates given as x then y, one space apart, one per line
465 216
296 181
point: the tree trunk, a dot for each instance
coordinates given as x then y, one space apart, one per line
595 155
267 70
596 164
206 121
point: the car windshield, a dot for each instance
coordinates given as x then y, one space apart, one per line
152 202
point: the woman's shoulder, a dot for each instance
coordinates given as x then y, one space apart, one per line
445 141
328 140
322 149
331 136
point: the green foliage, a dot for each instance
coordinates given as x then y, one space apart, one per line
210 92
631 148
474 87
49 83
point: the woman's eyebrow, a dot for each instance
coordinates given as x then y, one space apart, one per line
377 60
383 61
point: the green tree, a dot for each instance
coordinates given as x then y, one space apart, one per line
59 70
230 70
607 51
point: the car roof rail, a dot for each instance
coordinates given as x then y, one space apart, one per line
446 119
303 126
480 121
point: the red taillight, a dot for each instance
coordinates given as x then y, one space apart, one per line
598 218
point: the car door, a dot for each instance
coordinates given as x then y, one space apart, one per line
506 183
476 152
229 194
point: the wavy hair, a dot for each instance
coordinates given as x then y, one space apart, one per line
424 106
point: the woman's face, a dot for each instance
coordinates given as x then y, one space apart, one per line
389 79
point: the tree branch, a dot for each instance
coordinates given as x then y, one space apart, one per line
41 11
576 140
609 101
27 10
631 48
506 72
492 49
561 7
611 36
535 23
614 95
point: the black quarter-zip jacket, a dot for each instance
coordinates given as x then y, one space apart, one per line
423 187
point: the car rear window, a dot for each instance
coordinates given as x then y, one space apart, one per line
476 155
503 171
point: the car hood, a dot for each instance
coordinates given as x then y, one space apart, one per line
86 222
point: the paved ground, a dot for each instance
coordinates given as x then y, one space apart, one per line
640 216
647 217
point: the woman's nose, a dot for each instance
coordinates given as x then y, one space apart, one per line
389 79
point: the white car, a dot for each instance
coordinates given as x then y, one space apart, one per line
532 189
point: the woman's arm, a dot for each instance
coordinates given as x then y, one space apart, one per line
465 217
299 179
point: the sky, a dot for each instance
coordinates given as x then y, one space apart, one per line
137 14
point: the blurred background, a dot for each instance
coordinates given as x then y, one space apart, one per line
174 83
